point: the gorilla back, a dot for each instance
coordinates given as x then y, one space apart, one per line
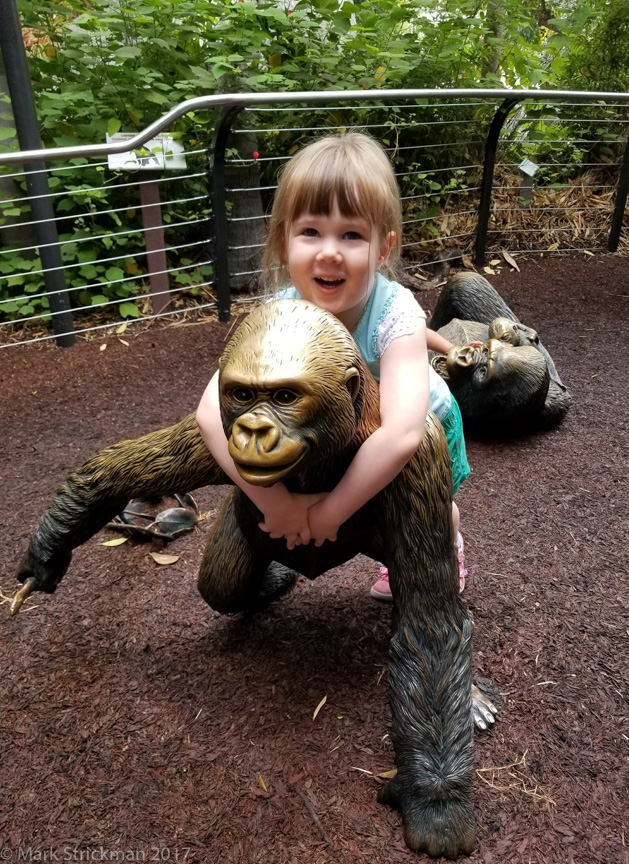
297 401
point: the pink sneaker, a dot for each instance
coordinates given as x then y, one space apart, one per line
380 590
461 555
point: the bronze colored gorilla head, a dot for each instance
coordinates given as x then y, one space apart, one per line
510 384
497 383
270 387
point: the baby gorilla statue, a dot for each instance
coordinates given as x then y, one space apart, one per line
297 401
508 385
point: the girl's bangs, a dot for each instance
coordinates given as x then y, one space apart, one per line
317 195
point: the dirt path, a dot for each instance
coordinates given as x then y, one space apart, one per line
134 720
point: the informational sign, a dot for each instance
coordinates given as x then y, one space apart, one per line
528 167
162 153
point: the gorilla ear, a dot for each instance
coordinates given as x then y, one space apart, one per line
440 365
352 382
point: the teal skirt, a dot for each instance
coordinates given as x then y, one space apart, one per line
453 427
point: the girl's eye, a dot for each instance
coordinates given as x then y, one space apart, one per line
309 232
352 235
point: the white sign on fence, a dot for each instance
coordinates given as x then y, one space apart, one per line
158 154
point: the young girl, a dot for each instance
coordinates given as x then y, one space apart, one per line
336 223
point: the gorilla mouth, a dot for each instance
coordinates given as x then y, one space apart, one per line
259 475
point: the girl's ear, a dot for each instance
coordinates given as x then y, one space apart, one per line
385 247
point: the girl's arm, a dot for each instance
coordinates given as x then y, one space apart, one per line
436 342
404 395
285 514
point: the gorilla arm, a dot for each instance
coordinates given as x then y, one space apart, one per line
285 513
169 460
404 396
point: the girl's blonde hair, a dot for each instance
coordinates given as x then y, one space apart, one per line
350 169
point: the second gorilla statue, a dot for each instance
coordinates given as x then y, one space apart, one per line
297 401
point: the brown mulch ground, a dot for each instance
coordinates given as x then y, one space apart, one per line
134 720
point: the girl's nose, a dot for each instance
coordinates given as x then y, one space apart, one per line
329 250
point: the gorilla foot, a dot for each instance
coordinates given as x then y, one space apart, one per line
278 580
437 828
483 710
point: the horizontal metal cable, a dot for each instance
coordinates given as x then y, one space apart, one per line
437 170
93 283
530 209
110 325
70 192
246 273
570 228
357 107
56 168
137 254
434 239
564 164
439 216
450 192
562 187
245 218
117 301
109 234
124 209
102 284
253 246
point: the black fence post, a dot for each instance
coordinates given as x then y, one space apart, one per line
489 163
219 208
620 203
25 114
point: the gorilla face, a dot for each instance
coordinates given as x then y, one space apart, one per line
512 332
496 382
289 388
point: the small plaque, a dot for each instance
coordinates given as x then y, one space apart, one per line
162 153
528 167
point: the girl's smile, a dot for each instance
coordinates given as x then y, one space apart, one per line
332 260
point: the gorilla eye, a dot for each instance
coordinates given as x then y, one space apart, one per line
284 397
242 394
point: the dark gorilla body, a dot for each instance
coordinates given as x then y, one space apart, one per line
508 386
297 402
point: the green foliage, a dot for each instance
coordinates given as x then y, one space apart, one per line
99 67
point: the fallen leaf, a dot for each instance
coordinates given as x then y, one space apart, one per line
494 261
161 558
117 542
587 252
262 783
489 270
103 346
467 262
553 246
510 260
120 330
123 342
319 706
387 774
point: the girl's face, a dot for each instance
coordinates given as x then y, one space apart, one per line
332 261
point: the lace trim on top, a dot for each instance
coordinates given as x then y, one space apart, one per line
400 316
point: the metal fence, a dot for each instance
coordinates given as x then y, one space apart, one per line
480 172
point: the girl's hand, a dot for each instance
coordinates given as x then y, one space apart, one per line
324 525
290 520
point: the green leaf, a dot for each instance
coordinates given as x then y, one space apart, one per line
114 274
128 52
129 310
113 126
99 299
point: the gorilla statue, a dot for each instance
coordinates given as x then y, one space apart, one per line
296 402
510 384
